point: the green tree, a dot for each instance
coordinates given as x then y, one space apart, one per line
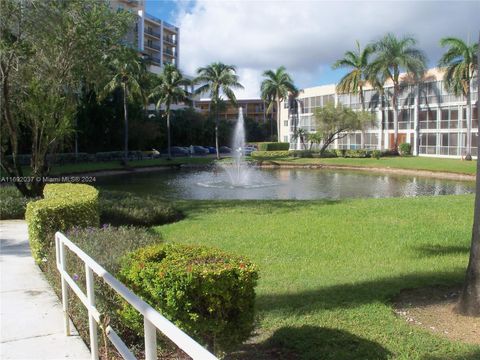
335 122
393 55
459 62
469 303
218 78
170 90
48 51
275 88
355 80
127 71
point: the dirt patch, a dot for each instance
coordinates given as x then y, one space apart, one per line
433 309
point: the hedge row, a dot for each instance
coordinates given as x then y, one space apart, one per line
206 292
64 206
273 146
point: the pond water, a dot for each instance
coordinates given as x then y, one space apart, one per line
301 184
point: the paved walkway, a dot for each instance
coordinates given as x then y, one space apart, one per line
31 316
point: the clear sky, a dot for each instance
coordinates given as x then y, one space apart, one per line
306 36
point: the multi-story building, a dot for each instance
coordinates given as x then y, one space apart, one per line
430 117
252 108
156 39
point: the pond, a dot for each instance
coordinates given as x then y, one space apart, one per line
300 184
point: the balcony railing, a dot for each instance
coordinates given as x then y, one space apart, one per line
168 52
154 18
152 46
170 40
153 33
154 60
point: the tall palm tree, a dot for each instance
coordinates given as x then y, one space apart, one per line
354 81
275 88
127 72
393 55
459 62
218 78
170 90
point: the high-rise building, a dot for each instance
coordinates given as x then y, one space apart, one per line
156 39
252 108
430 117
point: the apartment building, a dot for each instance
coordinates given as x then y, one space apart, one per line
252 108
156 39
430 117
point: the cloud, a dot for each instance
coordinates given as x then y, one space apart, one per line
308 36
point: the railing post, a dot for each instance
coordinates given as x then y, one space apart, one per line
150 340
63 267
92 324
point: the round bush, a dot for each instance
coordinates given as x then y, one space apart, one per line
206 292
405 149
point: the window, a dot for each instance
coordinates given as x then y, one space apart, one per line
428 144
285 138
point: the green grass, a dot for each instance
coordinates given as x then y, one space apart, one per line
116 165
329 269
413 163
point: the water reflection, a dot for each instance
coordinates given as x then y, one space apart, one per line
301 184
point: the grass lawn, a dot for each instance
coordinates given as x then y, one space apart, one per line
329 269
415 163
116 165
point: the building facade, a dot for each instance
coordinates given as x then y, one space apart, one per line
430 117
156 39
252 108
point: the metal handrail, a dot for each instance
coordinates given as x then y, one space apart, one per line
153 320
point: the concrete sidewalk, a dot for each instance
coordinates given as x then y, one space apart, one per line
31 316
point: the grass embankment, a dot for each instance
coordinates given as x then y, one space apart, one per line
328 270
410 163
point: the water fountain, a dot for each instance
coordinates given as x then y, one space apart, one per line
239 173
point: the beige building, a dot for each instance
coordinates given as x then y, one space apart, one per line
156 39
434 122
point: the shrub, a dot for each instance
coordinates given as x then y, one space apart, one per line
328 154
361 153
119 208
206 292
405 149
377 154
273 146
64 206
13 203
340 152
270 154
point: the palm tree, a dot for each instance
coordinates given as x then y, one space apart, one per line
170 90
393 55
218 78
469 303
127 72
354 81
275 88
459 62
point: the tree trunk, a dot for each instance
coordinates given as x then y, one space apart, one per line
469 303
125 115
167 109
362 102
216 132
278 120
468 154
395 118
417 125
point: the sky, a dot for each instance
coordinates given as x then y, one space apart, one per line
305 36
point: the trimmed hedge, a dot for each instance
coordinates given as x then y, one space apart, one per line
206 292
64 206
270 154
273 146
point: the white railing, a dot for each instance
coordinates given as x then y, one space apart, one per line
152 319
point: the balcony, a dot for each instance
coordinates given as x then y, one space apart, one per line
153 60
152 46
152 33
168 52
170 40
152 18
